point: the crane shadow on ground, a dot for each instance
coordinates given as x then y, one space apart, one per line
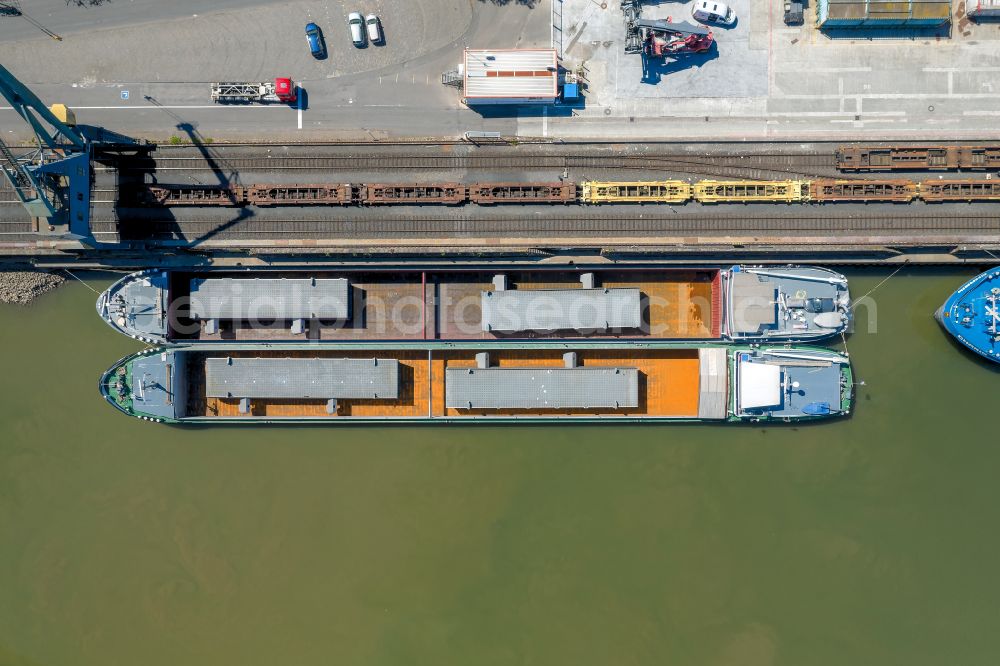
653 71
224 175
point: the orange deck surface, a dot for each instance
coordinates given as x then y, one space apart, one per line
412 400
677 304
668 384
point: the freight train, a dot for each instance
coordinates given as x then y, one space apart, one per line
589 192
918 158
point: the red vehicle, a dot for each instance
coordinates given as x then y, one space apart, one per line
666 38
280 90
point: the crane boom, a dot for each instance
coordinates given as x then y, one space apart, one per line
52 182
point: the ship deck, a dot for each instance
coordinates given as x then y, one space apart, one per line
675 304
972 314
668 384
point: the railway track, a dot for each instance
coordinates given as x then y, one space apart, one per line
754 166
97 195
547 226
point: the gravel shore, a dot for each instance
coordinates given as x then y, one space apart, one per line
23 286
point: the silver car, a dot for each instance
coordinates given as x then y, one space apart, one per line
374 29
357 26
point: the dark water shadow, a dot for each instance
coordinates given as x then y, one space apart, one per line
472 423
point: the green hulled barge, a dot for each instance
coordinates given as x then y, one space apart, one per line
585 381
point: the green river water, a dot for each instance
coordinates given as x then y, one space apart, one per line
871 540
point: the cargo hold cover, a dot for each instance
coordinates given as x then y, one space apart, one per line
541 388
267 298
512 311
303 378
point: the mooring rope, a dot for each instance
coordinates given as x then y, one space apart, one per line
872 290
80 281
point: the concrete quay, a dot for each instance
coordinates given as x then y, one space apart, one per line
145 68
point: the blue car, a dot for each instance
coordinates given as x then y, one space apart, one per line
314 36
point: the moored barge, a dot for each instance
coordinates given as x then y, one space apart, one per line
739 304
470 382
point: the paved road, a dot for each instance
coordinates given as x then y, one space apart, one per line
378 91
65 20
767 81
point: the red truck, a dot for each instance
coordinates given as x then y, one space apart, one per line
280 90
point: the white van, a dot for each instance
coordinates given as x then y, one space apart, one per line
710 11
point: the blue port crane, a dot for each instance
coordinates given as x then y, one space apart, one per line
52 181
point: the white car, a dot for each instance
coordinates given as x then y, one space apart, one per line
374 29
710 11
357 26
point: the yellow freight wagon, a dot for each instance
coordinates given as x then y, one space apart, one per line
664 191
747 191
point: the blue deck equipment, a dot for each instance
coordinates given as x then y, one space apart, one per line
972 314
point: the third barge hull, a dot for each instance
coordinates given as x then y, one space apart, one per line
740 303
